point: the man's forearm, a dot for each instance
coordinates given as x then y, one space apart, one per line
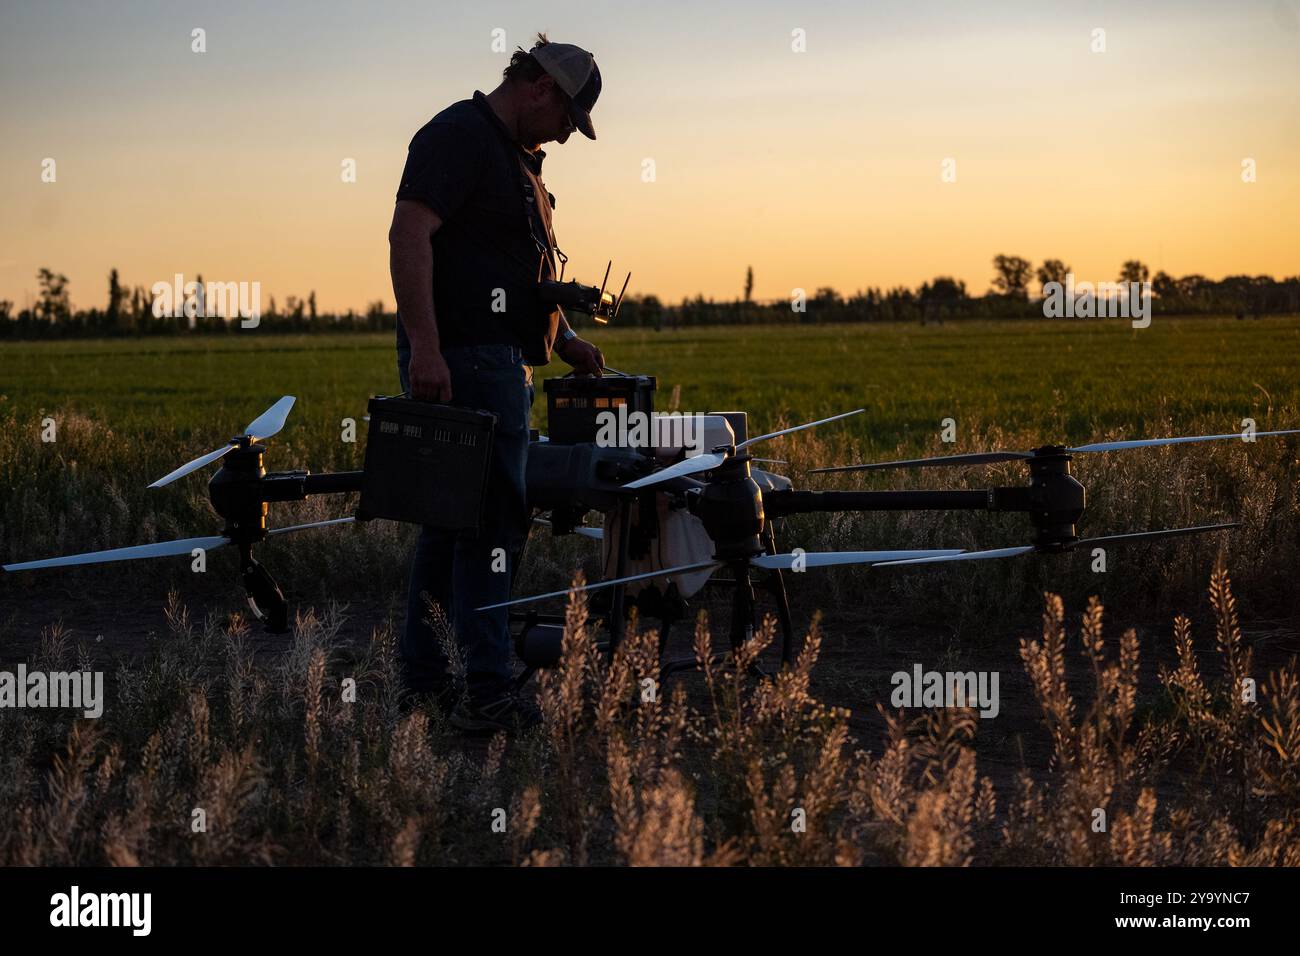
410 262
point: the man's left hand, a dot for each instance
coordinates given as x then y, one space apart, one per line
585 358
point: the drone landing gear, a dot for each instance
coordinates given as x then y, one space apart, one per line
539 642
264 596
743 612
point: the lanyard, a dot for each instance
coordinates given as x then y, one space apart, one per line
534 216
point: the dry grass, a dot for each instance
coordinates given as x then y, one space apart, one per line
756 771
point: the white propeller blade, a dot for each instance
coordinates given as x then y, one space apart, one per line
195 465
974 458
822 559
813 559
272 420
1154 535
160 550
314 524
687 466
964 556
662 573
798 428
992 457
263 426
1131 538
1153 442
708 462
596 534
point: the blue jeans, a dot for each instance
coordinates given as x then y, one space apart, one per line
460 571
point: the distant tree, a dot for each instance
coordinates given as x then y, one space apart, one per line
944 291
1164 285
117 318
141 308
1012 276
1133 271
1194 287
1053 270
55 304
940 297
311 306
749 283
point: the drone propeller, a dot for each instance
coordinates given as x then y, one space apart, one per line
661 573
1082 542
160 549
1153 442
263 426
687 466
986 458
711 460
825 559
596 534
315 524
975 458
784 562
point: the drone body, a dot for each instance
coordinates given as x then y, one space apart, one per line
670 517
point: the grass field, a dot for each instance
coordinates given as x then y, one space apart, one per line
1067 379
130 411
207 712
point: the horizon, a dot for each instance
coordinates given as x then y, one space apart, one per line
276 305
820 168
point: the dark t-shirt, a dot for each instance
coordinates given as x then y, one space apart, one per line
495 241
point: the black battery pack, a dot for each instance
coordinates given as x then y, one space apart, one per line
426 464
573 402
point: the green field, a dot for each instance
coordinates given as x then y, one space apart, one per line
128 411
1067 378
206 710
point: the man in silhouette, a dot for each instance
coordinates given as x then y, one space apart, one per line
471 237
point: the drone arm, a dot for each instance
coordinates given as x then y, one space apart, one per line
780 503
297 485
334 484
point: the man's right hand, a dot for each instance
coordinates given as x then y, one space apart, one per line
430 376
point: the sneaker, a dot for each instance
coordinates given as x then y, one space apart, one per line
508 712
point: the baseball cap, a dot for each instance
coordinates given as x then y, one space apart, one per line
575 72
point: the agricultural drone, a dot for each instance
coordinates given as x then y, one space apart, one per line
671 517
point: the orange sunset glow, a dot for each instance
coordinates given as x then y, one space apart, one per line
820 167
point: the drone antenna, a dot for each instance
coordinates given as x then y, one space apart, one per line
618 303
601 297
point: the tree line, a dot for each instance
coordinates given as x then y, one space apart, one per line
129 311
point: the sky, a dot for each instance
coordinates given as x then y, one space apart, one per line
819 167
